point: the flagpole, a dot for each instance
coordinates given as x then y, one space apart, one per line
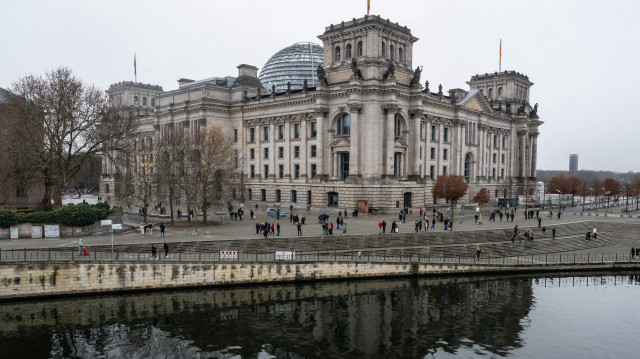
135 69
368 6
500 61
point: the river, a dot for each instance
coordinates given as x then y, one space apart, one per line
554 316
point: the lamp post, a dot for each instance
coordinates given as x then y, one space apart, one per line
559 201
626 199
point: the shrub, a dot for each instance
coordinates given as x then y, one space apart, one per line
70 215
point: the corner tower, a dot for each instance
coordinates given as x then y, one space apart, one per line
372 41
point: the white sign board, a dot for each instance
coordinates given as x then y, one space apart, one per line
36 231
285 255
14 232
52 230
106 222
228 254
116 226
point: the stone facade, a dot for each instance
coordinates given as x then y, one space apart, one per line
369 135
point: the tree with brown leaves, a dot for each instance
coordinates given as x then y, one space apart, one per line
76 121
451 188
482 197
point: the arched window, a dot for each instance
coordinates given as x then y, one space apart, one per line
490 93
400 55
135 100
348 51
499 91
153 102
397 126
343 126
337 53
359 48
144 101
384 50
391 53
468 160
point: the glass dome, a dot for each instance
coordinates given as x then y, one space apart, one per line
292 64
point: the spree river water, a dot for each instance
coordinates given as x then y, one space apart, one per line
557 316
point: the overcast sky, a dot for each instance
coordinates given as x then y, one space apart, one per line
582 55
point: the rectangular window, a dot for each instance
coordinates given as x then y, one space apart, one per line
296 130
250 194
504 142
433 153
432 172
280 152
444 170
313 151
296 171
252 171
265 131
252 154
266 171
433 132
502 173
266 153
495 141
494 158
493 173
313 170
502 159
280 171
314 129
263 195
422 131
252 134
294 196
309 197
281 132
444 154
296 151
277 195
332 199
235 135
445 134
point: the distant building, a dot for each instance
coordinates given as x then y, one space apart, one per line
573 163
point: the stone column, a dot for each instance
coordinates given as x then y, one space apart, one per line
521 153
258 151
389 139
287 149
354 148
415 149
324 151
303 149
534 152
272 150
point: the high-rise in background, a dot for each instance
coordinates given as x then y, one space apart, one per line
573 163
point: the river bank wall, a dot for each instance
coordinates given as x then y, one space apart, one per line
20 281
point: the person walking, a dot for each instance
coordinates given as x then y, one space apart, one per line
384 226
162 229
379 227
539 221
299 229
166 249
80 247
154 251
278 228
553 233
344 229
595 233
142 226
150 227
478 251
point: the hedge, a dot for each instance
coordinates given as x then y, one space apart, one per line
82 214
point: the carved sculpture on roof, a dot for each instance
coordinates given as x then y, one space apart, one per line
288 87
273 90
305 85
322 76
354 68
534 112
391 71
416 77
426 86
521 108
440 89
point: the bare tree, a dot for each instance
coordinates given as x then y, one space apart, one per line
451 188
76 122
170 165
138 181
213 168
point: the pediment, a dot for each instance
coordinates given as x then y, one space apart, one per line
400 143
341 142
476 101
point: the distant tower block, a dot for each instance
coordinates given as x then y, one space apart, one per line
573 163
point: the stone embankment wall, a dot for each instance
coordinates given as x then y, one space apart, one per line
22 281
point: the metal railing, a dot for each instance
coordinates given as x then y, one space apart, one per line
373 256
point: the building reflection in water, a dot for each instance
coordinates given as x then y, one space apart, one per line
379 318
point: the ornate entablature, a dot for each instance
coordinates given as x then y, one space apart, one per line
341 143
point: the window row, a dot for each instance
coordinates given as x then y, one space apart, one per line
278 195
280 173
313 132
348 51
313 152
144 101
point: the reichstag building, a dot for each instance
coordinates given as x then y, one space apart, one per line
351 124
